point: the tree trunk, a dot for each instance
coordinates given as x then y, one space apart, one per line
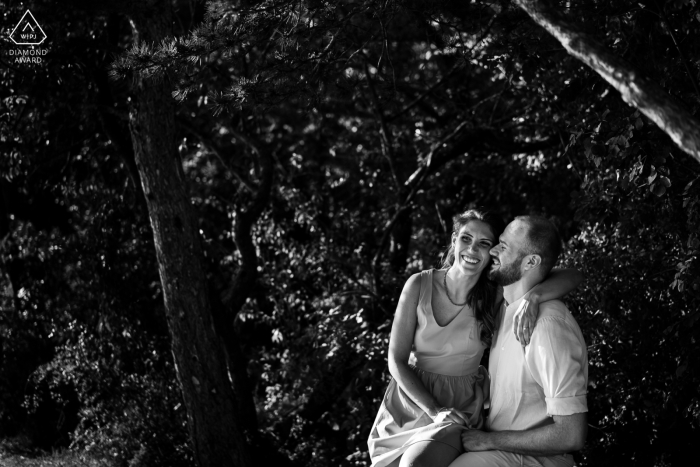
636 89
212 414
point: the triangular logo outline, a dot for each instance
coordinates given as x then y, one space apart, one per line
33 24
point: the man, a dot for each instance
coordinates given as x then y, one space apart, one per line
538 392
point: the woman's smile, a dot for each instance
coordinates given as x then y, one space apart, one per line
470 259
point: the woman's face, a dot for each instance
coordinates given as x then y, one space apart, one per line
472 244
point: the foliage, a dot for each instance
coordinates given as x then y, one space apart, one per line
86 358
62 459
384 119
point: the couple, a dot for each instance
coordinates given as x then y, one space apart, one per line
432 412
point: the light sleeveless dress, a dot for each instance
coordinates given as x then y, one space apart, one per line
447 363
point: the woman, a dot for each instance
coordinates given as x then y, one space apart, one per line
447 316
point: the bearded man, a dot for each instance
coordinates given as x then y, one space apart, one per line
538 412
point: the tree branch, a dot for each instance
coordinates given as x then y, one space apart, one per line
452 70
426 93
466 141
116 129
229 303
387 143
413 184
214 149
244 281
128 7
664 18
636 89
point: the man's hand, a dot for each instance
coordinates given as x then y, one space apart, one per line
476 440
566 434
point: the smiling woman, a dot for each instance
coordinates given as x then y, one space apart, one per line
446 317
474 234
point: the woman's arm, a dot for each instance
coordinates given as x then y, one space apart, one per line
400 344
558 283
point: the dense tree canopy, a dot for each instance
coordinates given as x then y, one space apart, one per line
324 147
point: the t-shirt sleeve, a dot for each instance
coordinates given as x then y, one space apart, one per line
558 361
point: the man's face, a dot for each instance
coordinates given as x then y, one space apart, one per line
508 255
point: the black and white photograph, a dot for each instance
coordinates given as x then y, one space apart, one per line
352 233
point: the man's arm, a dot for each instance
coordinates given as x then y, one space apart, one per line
566 434
556 359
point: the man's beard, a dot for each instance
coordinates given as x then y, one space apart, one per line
507 274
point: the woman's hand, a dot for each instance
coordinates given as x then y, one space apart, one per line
525 318
558 283
450 414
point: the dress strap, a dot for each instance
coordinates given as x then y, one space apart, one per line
426 286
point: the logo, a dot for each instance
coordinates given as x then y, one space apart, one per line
28 31
28 36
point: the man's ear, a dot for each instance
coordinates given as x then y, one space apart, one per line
532 261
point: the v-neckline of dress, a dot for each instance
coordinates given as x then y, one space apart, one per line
430 304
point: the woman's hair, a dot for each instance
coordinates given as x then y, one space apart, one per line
483 294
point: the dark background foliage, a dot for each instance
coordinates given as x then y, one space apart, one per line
383 119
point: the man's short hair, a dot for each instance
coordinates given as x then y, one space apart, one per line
543 239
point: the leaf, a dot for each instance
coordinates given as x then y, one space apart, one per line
658 189
665 181
625 182
588 146
659 160
678 4
681 369
692 319
687 187
638 124
618 142
652 175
